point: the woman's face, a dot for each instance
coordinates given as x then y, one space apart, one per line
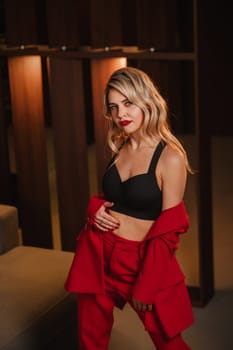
126 115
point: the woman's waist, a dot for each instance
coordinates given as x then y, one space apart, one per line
131 228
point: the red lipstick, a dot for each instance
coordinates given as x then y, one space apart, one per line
125 122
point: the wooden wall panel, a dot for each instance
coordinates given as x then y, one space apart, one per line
129 24
157 26
101 69
175 82
30 149
68 23
216 66
208 103
25 22
5 196
68 119
106 26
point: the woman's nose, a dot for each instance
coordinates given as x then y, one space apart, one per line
121 112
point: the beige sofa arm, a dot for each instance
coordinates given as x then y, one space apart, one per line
8 227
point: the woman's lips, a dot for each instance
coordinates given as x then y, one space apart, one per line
125 122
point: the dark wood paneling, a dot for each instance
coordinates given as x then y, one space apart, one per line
129 15
25 22
157 24
216 68
5 193
101 70
207 105
30 149
205 221
106 26
165 25
68 23
175 82
68 119
88 101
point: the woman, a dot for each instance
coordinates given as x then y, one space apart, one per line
126 252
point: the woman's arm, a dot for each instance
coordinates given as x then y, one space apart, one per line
173 176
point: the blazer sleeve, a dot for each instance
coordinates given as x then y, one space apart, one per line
86 273
160 269
94 204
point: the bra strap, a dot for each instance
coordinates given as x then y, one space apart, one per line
112 160
156 156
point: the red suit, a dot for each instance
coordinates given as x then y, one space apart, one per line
159 281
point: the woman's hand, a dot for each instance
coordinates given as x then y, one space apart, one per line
105 221
139 306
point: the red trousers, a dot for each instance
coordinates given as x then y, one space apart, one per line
95 312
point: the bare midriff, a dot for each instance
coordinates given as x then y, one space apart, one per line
130 227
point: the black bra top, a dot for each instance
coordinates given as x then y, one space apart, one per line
139 196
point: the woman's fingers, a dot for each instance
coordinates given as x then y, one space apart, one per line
141 306
149 307
104 220
101 227
108 204
144 307
104 223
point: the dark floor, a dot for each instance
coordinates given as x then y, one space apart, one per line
212 330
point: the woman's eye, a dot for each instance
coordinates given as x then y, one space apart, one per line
112 109
128 103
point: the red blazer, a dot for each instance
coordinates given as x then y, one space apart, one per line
160 280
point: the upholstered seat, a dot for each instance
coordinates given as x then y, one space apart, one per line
35 310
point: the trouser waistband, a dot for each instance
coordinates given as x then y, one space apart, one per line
124 243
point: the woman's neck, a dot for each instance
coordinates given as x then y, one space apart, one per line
136 143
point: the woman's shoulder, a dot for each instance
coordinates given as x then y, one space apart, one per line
172 158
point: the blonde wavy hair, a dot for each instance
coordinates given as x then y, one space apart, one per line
140 90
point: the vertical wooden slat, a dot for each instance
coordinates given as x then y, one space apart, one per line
206 115
129 23
101 69
216 63
25 22
157 26
106 26
67 22
5 193
68 120
29 134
